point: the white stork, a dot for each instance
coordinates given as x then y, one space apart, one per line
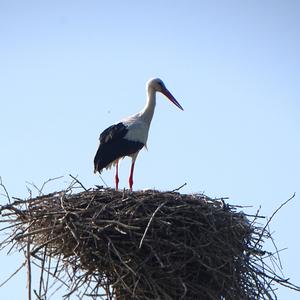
129 136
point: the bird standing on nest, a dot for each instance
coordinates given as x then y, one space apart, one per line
130 135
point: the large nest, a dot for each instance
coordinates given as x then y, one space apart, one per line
142 245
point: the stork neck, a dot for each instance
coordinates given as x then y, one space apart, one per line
148 110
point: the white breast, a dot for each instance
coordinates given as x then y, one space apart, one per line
137 129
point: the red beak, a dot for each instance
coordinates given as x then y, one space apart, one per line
171 98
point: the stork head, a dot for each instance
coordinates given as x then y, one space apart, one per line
158 86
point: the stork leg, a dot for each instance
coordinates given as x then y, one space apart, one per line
131 175
117 175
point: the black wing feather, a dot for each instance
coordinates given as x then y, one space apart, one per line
115 131
113 146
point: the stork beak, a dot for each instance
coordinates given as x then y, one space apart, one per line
166 92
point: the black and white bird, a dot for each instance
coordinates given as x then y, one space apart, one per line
129 136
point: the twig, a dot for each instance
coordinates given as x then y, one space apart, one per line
49 180
5 190
117 223
49 241
37 231
179 187
28 269
13 274
42 274
119 256
40 190
103 181
148 225
274 213
38 296
75 178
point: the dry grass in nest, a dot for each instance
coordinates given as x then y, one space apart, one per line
104 244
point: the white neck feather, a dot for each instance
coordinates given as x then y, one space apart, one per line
148 111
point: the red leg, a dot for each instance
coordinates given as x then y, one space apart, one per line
131 176
117 176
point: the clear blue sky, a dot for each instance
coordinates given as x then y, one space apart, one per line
69 69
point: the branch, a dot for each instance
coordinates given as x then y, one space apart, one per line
75 178
5 190
179 187
274 213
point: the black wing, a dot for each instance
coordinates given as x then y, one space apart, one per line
113 146
114 132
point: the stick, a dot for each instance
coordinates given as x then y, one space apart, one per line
28 269
5 190
13 274
179 187
274 213
148 225
78 182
